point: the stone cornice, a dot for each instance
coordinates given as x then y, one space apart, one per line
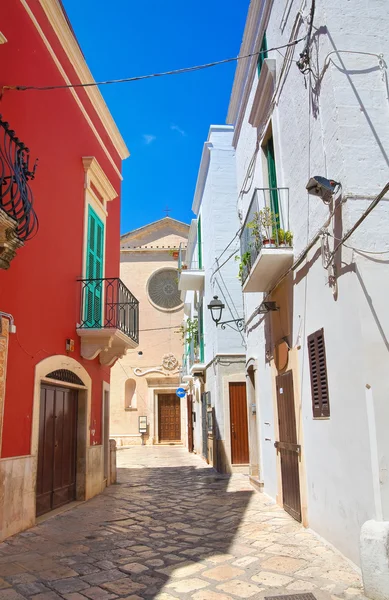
204 165
59 23
256 23
264 92
203 171
9 241
175 225
150 249
96 175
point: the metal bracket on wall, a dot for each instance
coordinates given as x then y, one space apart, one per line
239 324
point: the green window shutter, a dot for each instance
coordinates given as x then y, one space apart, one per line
201 331
94 270
199 245
263 55
272 177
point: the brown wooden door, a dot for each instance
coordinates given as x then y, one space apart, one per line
57 450
169 418
287 445
190 422
239 424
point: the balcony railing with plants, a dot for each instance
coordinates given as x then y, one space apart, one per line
264 228
16 198
108 304
193 344
188 258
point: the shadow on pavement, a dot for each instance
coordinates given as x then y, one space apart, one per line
133 539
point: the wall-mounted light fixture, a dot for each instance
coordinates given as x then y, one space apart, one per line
322 187
266 307
216 307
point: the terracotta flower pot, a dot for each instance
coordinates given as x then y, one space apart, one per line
269 242
175 255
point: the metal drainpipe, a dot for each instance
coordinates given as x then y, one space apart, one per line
12 326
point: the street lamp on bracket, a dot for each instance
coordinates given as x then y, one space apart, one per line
216 307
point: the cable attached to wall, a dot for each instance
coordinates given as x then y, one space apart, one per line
303 63
24 88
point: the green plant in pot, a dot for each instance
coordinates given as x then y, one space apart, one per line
190 332
268 226
285 238
289 238
255 228
245 261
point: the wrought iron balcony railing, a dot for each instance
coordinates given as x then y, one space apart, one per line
189 257
263 229
15 194
190 357
108 304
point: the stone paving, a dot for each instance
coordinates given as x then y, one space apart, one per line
172 528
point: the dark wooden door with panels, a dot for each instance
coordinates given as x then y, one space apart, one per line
239 424
57 449
169 418
287 445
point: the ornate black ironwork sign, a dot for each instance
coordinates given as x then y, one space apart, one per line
15 194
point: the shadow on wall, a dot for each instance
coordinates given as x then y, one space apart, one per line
337 58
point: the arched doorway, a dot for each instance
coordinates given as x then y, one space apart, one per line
60 417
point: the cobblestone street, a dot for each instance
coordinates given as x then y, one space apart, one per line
172 528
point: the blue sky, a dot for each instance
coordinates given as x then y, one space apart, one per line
165 121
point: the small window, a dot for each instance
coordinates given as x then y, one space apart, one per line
129 394
263 54
318 369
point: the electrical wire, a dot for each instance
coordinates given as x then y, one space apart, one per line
160 328
380 57
26 351
358 249
151 75
304 62
371 207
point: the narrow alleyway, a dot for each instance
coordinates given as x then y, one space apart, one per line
172 528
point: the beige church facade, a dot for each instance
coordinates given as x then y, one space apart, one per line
144 381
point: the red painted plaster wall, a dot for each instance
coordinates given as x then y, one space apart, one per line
40 289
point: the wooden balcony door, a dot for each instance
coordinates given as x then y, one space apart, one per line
94 270
239 424
169 418
57 450
287 445
189 400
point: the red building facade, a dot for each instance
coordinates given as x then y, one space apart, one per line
62 288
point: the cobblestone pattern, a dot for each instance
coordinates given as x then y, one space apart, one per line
170 529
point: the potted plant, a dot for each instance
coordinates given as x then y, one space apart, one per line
281 237
263 227
190 332
254 225
268 223
245 261
184 266
289 238
174 253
